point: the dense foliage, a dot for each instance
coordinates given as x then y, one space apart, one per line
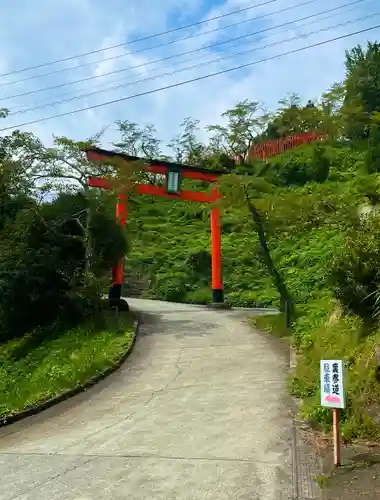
299 229
318 208
53 254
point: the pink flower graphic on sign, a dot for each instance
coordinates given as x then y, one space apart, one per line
332 399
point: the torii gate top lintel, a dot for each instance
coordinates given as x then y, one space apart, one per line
156 166
174 173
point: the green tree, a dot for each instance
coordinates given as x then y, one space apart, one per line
245 122
235 139
186 146
362 89
331 105
138 141
372 154
292 117
64 168
18 160
43 263
354 276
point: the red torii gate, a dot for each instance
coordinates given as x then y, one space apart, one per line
174 173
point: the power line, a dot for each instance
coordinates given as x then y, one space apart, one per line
192 80
149 37
171 73
216 44
39 104
164 44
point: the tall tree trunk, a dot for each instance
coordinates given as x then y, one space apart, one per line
3 196
3 193
286 303
87 236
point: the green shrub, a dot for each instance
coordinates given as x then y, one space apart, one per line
171 289
372 155
200 295
333 335
272 323
355 273
320 164
300 167
200 264
43 276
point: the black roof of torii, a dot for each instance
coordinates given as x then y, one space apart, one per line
161 163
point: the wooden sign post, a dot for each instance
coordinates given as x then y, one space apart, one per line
332 396
336 436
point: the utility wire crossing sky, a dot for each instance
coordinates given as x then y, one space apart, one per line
80 70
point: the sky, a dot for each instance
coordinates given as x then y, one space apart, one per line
35 33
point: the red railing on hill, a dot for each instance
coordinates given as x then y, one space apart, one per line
278 146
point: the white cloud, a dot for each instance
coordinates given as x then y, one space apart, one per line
41 32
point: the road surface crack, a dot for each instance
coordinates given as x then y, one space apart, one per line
168 384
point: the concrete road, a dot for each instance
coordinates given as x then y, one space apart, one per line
197 412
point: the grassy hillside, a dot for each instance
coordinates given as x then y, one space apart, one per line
171 240
307 227
46 363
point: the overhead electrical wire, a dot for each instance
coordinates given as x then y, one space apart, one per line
39 104
219 59
216 44
164 44
192 80
137 40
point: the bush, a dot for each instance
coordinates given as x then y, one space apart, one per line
372 155
355 275
200 264
297 169
170 289
326 333
199 296
33 292
320 164
61 225
43 276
